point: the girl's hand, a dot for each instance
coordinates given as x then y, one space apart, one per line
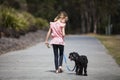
47 44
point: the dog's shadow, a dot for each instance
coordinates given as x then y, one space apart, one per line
68 73
71 73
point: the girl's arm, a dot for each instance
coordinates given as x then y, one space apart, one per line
48 35
63 31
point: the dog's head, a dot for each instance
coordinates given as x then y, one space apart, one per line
73 56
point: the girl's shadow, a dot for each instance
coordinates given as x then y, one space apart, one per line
69 73
53 71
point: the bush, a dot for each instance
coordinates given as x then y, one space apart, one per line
35 23
13 19
31 21
14 23
41 23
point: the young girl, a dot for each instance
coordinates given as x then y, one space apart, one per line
57 31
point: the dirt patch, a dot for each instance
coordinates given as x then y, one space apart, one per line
30 39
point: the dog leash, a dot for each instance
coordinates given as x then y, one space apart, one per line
64 60
67 65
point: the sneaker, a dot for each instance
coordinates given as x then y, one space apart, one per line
57 71
60 70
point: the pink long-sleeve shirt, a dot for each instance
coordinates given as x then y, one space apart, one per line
57 34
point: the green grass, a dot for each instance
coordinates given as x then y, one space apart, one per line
112 43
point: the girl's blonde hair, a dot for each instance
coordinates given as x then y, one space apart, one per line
58 16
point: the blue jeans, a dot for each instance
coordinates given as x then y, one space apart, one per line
58 55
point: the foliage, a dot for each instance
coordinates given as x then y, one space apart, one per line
41 23
13 20
13 23
85 16
42 8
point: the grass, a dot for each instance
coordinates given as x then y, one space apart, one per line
112 43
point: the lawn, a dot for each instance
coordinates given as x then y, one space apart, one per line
112 43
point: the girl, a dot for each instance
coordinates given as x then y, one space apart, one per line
57 31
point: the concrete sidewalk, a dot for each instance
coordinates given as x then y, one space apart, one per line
36 63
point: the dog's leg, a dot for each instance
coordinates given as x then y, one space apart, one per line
85 70
77 72
77 67
81 70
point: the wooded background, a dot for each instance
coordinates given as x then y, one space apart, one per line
85 16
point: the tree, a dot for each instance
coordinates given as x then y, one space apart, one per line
85 16
17 4
42 8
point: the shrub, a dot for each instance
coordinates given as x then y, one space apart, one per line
14 23
31 21
41 23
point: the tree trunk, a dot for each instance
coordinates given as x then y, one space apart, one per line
94 15
82 23
88 22
95 25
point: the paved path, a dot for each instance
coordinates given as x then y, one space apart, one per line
36 63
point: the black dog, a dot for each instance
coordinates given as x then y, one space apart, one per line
80 63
